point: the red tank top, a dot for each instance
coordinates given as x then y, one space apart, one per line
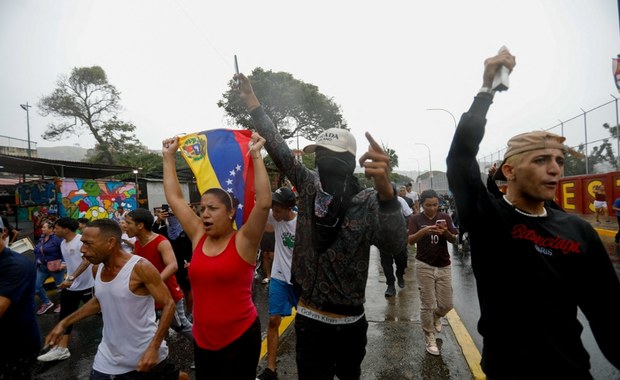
222 290
149 252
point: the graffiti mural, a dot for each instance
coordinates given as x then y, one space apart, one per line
95 199
35 193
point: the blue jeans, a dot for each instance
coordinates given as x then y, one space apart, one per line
42 275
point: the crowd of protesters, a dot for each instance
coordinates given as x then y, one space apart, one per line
194 271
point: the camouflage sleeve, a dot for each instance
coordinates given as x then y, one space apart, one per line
280 153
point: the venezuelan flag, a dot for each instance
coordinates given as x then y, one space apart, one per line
218 158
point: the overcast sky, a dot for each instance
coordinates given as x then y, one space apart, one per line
384 63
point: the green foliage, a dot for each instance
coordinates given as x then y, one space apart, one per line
118 141
295 107
392 155
399 179
602 154
364 182
86 101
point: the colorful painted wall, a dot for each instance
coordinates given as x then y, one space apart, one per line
35 198
576 194
95 199
75 198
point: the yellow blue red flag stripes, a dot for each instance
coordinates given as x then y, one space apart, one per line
218 158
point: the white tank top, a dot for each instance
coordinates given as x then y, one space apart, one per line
129 323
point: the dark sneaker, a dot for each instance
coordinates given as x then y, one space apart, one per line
401 281
267 375
390 291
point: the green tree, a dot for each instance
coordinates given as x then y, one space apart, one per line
601 156
117 140
295 107
86 101
392 155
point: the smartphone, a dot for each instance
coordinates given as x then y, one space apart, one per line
237 82
441 222
165 208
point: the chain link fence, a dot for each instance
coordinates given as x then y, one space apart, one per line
593 133
17 147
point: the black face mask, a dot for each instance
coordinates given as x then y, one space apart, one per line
334 168
336 175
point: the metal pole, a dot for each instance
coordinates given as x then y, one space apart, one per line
561 127
26 107
617 133
417 177
444 110
585 130
135 172
430 166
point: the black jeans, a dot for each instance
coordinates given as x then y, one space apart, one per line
236 361
325 351
386 263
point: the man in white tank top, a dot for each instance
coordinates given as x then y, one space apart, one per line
77 287
126 288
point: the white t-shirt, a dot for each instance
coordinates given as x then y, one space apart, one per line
124 246
284 232
413 196
73 258
403 204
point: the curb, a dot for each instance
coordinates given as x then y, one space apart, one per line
604 232
286 322
470 351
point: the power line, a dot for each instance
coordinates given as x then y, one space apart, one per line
205 38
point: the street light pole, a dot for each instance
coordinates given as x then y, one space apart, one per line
25 108
444 110
418 174
135 172
430 166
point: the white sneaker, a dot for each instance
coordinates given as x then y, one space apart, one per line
431 344
56 353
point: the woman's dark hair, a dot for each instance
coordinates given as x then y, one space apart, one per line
224 196
428 194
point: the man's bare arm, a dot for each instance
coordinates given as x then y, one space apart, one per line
148 275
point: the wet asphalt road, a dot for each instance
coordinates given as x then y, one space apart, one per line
395 347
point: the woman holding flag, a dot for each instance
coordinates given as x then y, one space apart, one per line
226 326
